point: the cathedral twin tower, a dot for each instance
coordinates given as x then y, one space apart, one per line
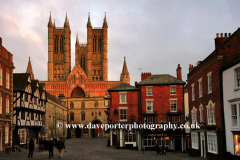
92 57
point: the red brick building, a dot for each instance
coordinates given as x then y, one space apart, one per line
6 93
124 110
161 102
205 98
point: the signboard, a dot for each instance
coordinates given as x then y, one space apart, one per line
157 135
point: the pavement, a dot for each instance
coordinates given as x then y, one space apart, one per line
96 148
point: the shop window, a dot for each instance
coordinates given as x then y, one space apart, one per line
22 136
130 135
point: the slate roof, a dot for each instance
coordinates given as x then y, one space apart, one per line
20 81
52 98
161 79
123 87
229 39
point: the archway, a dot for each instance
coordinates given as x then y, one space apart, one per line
77 132
98 130
77 92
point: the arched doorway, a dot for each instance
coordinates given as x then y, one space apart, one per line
77 132
77 92
97 132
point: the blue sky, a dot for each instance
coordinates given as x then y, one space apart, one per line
154 35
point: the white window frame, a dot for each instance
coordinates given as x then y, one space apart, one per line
209 75
200 88
122 114
235 116
7 80
194 140
193 92
194 115
120 98
209 142
201 113
1 75
7 106
149 90
172 109
173 90
237 78
130 133
147 101
209 111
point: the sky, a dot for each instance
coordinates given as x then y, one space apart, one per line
155 35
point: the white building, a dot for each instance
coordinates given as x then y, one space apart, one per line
231 101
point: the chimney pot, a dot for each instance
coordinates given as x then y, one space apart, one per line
225 34
217 35
221 35
229 34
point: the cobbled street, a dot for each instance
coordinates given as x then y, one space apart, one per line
96 148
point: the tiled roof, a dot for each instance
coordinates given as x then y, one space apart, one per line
161 79
123 87
20 81
52 98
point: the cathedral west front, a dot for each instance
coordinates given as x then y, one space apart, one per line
83 89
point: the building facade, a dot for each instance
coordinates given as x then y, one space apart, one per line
83 88
6 94
161 102
231 104
54 119
205 98
29 102
124 106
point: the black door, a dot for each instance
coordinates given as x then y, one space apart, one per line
202 148
178 144
78 132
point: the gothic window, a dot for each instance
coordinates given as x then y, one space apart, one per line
77 92
61 44
99 113
99 45
83 105
100 78
58 78
72 117
71 105
96 105
93 78
82 116
92 113
56 43
96 78
94 45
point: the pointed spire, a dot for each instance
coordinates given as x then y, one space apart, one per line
125 74
50 20
89 22
66 23
77 41
105 21
29 69
54 23
124 70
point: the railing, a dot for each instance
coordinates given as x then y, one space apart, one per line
97 28
59 27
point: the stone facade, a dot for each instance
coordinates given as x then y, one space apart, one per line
55 113
88 81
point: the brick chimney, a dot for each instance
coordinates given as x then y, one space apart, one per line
0 41
179 72
145 75
220 39
190 68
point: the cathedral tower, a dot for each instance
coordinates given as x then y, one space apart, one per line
92 56
59 51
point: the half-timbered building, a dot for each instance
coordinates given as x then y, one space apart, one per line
29 100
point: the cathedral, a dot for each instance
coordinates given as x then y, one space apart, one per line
83 90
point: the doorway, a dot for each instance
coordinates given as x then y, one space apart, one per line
203 150
178 144
78 132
